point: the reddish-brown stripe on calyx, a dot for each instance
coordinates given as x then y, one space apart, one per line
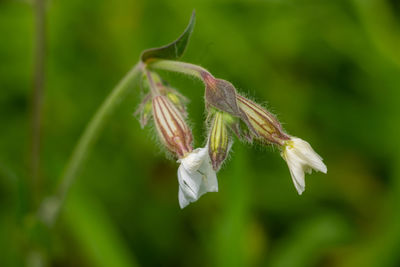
264 123
171 127
182 130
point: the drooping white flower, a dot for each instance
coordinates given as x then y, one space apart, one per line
301 158
195 176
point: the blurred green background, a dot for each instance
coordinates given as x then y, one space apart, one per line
330 70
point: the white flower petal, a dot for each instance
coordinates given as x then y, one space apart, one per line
298 178
301 158
304 151
193 160
189 182
196 177
296 172
183 201
210 182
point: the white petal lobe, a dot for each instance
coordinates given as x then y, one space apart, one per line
301 158
196 177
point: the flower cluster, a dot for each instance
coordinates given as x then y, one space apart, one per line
196 175
228 114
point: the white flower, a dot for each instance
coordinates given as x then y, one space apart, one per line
195 176
300 158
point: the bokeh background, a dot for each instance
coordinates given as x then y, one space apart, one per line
330 70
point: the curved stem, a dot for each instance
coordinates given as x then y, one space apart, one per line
51 206
153 87
182 67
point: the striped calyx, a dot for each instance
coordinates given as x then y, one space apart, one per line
171 126
218 140
177 99
263 124
220 94
173 95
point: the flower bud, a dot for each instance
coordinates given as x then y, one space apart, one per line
218 140
165 89
220 94
171 127
144 111
262 123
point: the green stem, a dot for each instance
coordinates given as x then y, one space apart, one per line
153 87
182 67
51 206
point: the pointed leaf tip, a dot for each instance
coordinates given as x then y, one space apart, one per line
173 50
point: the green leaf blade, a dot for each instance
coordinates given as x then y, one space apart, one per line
173 50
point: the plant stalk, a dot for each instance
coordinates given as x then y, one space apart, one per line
181 67
51 206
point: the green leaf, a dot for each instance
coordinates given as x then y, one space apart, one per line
173 50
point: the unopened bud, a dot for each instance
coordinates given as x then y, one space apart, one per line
220 94
144 111
171 127
263 124
173 95
218 140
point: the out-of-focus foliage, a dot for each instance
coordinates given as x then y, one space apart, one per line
330 70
